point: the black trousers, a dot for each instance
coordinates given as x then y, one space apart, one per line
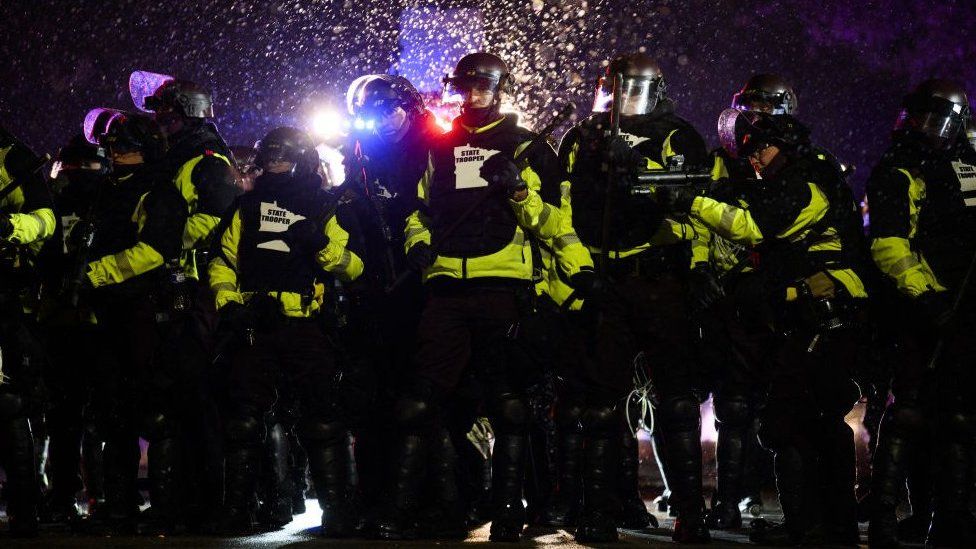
297 349
473 326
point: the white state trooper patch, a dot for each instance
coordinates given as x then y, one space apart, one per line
275 219
966 173
467 166
633 140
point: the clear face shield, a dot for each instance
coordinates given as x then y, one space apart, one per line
638 95
940 119
143 84
97 122
771 103
726 131
473 92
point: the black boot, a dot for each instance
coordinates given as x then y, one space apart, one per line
19 462
118 514
734 418
681 430
164 486
398 520
837 472
633 512
953 525
793 486
298 464
242 460
508 467
276 511
563 508
445 518
601 456
328 462
892 457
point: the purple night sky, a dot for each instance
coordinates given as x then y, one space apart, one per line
273 62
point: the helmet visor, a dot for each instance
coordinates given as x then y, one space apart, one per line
142 85
97 123
637 95
755 100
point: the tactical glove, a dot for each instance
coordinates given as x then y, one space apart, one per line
501 171
420 256
704 289
305 236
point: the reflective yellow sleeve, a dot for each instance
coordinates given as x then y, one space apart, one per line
336 257
700 243
895 258
727 221
223 268
533 214
810 214
119 267
32 226
417 228
571 255
198 227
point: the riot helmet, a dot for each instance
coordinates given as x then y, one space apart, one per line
769 93
743 133
384 104
130 133
937 109
290 145
642 85
480 79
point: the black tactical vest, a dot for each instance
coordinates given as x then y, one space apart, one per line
456 184
265 262
634 218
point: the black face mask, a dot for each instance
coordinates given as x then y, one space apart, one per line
478 117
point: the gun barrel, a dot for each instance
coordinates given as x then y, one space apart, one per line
647 182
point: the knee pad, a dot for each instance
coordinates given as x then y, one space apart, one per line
600 421
159 426
510 414
905 419
321 433
681 413
414 414
11 406
958 426
244 431
567 417
734 412
777 432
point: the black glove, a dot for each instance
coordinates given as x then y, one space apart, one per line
678 199
305 236
6 226
500 170
420 256
936 307
585 283
624 158
236 318
703 288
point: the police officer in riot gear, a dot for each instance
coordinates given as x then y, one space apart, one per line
477 269
26 220
277 257
199 165
922 217
642 310
385 158
808 290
